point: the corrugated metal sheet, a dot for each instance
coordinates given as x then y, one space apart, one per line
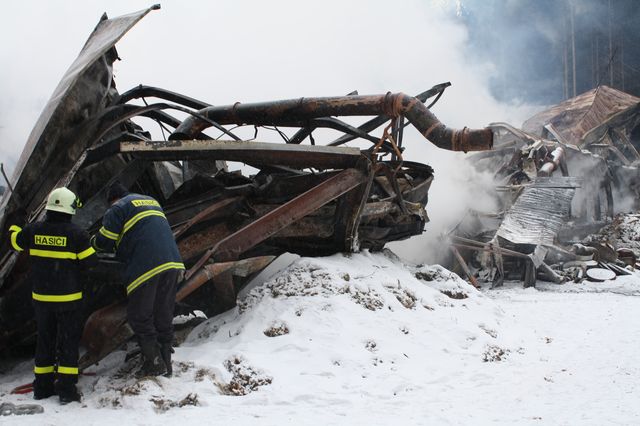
558 182
539 212
575 117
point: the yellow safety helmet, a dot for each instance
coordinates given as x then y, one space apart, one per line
62 200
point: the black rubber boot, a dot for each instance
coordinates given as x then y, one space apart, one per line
165 351
43 389
152 364
67 391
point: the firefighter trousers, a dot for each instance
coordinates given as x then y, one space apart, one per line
150 307
57 343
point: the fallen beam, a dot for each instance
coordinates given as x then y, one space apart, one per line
464 267
300 156
259 230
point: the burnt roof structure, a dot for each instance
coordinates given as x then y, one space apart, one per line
579 121
559 179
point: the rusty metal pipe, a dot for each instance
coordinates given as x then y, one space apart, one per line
295 112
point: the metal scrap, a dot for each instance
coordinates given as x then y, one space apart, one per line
559 179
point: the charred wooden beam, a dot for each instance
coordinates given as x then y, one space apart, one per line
194 245
279 218
378 210
217 209
321 157
259 230
464 266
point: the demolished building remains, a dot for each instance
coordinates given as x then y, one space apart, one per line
561 179
310 199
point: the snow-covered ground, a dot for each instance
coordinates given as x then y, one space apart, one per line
367 340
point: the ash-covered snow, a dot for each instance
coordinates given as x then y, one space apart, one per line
365 339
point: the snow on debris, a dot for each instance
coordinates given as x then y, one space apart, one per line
623 232
364 339
324 329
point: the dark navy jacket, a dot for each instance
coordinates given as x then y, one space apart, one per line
58 252
136 228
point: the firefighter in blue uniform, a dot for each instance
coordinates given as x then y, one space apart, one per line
58 253
136 228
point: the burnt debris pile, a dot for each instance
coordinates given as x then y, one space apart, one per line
563 182
307 196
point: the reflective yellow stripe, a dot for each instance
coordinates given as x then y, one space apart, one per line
86 253
53 254
15 228
139 216
43 370
67 370
57 297
153 272
14 240
62 254
110 235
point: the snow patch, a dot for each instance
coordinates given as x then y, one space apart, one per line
346 339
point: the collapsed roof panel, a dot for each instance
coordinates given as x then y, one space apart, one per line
575 117
83 90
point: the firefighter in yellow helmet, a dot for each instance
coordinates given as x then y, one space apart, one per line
58 252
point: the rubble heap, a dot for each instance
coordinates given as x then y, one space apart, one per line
311 199
560 179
